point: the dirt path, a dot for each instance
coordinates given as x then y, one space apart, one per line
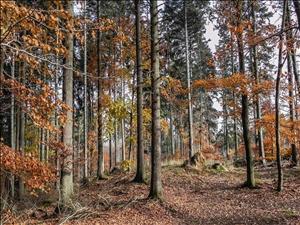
190 198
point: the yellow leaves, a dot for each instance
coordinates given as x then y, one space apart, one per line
118 109
126 165
164 126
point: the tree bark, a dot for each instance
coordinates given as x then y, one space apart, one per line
85 116
297 10
245 106
257 81
123 123
156 186
294 159
190 107
100 166
21 133
13 128
67 165
139 177
235 130
277 107
172 131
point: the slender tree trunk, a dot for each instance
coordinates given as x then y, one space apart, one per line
123 123
139 177
277 108
226 140
172 131
245 107
116 138
57 153
85 116
156 186
67 165
100 167
190 107
21 133
131 118
292 110
42 146
235 130
257 80
294 160
297 10
293 54
110 140
13 128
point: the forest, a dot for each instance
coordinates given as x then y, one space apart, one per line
150 112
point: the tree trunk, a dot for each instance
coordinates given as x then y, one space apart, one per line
156 186
257 80
235 130
100 166
116 138
123 123
131 118
110 140
226 140
172 131
42 145
21 133
190 107
67 165
245 107
297 10
13 128
85 116
139 177
277 108
294 160
57 153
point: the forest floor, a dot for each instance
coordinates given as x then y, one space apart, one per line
190 197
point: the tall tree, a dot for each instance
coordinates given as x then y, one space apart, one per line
21 131
85 107
67 165
139 177
156 186
257 80
190 107
277 99
245 103
100 167
297 10
292 68
13 126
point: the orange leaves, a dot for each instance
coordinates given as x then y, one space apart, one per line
36 174
172 88
40 104
289 131
236 82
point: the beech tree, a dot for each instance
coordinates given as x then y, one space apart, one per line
277 108
67 164
139 90
156 186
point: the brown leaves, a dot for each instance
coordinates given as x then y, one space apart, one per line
36 174
39 104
